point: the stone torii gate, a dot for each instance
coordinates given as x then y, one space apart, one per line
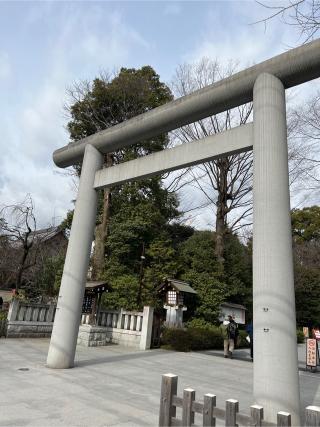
276 382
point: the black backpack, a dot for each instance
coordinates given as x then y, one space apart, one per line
232 330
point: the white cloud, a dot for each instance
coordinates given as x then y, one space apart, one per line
51 194
82 45
228 33
98 40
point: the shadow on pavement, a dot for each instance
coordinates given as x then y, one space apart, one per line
117 358
240 354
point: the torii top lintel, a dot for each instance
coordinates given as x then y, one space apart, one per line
294 67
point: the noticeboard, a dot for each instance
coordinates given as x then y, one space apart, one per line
311 355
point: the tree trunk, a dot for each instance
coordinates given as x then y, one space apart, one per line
21 267
101 233
222 208
26 248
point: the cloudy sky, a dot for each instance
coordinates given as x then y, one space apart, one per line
46 46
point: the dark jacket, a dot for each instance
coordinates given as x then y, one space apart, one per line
232 330
249 329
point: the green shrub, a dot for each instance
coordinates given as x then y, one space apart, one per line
300 336
196 337
197 322
177 339
3 314
192 338
203 339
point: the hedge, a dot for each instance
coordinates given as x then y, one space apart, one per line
197 338
203 338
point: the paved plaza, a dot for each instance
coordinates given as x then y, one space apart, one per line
116 386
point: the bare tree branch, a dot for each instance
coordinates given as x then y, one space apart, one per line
19 243
225 183
302 14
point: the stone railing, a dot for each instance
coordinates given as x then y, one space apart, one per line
30 320
129 328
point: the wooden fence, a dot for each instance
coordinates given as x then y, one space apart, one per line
208 411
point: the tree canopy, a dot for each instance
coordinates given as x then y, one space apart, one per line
101 104
109 101
306 238
306 224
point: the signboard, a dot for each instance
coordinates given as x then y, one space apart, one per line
316 334
238 313
311 352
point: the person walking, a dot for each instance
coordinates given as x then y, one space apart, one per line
229 330
224 333
232 330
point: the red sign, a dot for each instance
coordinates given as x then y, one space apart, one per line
311 352
316 334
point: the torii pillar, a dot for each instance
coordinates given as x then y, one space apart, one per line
276 380
67 319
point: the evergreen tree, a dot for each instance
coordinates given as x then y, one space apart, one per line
102 104
215 284
306 243
139 245
306 224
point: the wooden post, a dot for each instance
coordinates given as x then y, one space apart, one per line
313 416
187 414
209 402
232 407
256 415
169 387
283 419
